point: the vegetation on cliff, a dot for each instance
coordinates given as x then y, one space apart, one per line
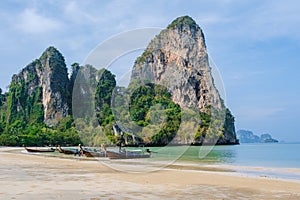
177 59
184 20
155 116
164 113
22 109
43 103
103 96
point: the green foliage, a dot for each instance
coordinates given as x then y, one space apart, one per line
104 90
56 59
215 124
2 98
1 127
149 96
182 20
229 127
22 111
24 119
151 115
65 124
22 105
19 133
8 140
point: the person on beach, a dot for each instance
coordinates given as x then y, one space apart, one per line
121 142
80 150
103 147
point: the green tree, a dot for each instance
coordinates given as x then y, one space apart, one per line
104 91
145 97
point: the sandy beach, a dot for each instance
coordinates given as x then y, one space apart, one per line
26 176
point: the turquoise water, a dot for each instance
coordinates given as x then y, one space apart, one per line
254 155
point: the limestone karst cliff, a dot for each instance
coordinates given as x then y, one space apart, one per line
54 81
173 74
177 59
40 91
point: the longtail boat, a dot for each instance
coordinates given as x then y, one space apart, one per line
39 150
67 151
125 154
94 153
91 153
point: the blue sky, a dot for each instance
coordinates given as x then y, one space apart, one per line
255 45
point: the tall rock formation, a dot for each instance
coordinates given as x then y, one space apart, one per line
39 93
54 81
175 76
25 95
177 59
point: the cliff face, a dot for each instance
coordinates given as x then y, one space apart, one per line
177 59
40 91
54 80
176 74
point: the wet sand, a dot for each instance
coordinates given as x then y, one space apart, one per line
26 176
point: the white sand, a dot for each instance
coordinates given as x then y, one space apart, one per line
25 176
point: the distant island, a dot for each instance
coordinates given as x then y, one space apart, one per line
246 136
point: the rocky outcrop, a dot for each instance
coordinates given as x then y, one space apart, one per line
175 63
84 80
54 81
44 84
25 95
177 59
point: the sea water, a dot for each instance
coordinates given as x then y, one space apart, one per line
256 155
275 160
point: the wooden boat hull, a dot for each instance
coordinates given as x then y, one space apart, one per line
125 155
67 151
94 154
90 153
39 150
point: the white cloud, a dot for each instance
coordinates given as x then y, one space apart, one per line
30 21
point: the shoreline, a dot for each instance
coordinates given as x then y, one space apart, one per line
278 173
234 170
24 175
